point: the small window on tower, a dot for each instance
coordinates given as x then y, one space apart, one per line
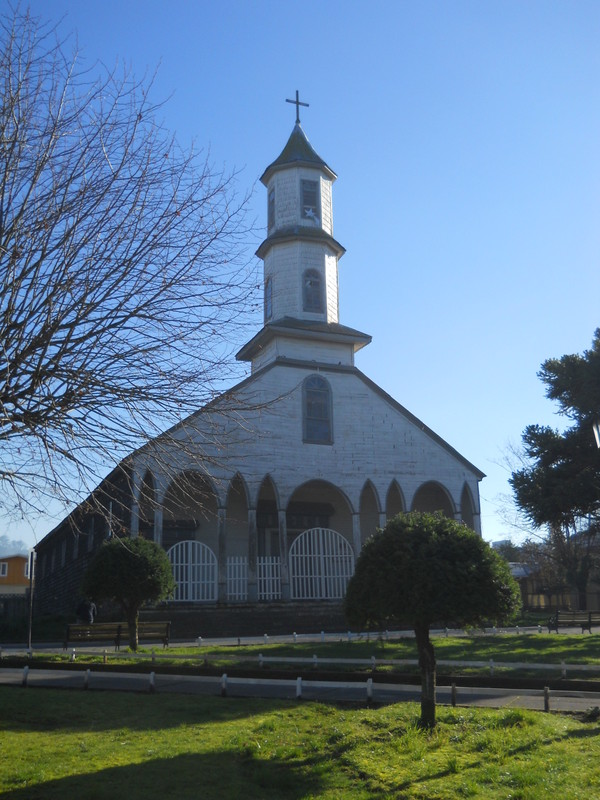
271 210
312 291
268 299
310 201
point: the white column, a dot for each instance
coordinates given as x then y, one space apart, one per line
252 553
134 522
222 554
284 555
158 524
356 534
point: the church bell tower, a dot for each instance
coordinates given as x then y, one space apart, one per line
300 255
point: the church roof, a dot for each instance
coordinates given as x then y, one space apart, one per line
298 152
304 329
296 232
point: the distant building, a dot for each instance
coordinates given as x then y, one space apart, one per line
272 503
14 574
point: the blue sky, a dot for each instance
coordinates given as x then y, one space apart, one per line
466 138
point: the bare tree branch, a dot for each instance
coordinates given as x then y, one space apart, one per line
123 270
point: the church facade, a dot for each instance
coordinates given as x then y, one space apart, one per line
268 494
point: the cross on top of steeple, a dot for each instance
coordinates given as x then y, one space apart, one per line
297 103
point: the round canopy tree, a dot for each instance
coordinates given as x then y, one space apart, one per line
424 569
129 572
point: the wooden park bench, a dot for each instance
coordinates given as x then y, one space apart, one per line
568 619
116 633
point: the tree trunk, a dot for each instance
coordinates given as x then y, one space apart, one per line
427 666
132 624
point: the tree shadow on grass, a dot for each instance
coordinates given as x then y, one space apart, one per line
226 775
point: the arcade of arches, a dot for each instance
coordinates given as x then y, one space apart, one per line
267 549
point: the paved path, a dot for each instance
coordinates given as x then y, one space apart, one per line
291 689
19 649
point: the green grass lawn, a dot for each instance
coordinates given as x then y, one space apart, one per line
97 745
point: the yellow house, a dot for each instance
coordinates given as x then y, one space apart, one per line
14 574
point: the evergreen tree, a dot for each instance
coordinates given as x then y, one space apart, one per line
559 489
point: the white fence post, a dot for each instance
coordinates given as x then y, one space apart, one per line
25 676
224 685
315 661
298 688
369 690
152 686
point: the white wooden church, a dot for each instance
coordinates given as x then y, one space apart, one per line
274 502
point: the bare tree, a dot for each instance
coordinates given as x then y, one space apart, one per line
123 270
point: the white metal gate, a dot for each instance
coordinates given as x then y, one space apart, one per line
321 564
194 570
268 575
237 578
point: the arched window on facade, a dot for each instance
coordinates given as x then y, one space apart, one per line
312 291
317 411
268 299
